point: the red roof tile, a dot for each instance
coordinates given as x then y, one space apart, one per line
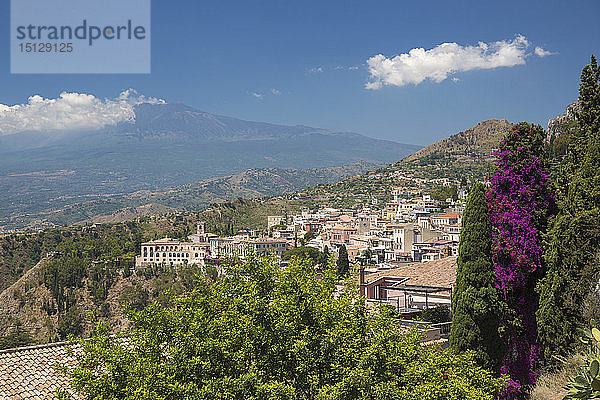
432 273
30 372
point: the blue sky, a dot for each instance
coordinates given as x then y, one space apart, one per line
305 62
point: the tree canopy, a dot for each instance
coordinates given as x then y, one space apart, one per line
343 264
262 332
572 243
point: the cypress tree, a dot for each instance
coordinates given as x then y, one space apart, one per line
343 265
573 240
325 256
475 301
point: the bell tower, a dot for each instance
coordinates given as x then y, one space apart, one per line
200 228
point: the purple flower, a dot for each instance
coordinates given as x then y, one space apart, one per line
518 200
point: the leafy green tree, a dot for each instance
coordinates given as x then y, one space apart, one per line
436 314
18 338
262 332
475 300
135 296
343 264
308 236
366 256
325 256
573 242
303 252
445 192
70 323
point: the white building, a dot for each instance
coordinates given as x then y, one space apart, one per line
242 246
171 252
274 220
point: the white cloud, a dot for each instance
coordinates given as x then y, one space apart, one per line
455 79
70 111
258 95
542 53
276 92
446 59
315 70
131 96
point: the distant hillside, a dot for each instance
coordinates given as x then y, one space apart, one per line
467 154
192 197
167 145
30 306
480 139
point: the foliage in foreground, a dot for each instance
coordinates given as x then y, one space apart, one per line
261 332
520 203
571 253
586 383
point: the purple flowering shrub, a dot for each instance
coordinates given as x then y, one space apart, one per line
520 202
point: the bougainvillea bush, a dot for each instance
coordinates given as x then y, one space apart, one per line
520 202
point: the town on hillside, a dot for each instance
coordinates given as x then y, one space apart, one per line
410 244
408 229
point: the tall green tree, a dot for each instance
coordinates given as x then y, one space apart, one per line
325 256
343 264
573 240
475 300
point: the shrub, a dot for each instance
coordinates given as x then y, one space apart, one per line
70 323
135 296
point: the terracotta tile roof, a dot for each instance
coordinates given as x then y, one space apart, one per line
449 215
30 372
432 273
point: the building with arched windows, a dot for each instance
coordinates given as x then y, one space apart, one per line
171 252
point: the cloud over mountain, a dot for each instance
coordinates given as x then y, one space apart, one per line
70 111
446 59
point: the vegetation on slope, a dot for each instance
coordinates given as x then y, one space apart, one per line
252 183
466 155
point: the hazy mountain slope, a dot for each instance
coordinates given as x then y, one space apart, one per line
466 154
167 145
248 184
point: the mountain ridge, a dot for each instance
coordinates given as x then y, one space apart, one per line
167 145
482 138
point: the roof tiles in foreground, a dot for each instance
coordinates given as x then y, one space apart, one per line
31 373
